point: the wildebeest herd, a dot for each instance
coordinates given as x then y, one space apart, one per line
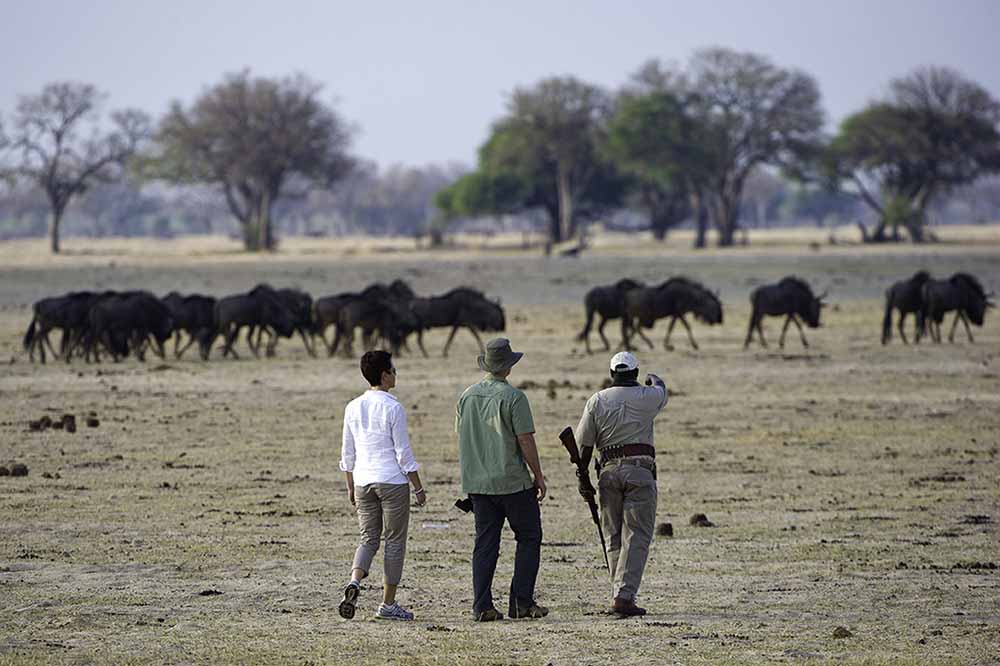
123 323
639 306
131 322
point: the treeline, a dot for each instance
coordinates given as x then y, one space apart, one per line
726 142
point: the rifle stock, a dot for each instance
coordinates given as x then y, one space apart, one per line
568 440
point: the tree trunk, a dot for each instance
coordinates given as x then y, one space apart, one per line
565 205
54 223
726 223
700 219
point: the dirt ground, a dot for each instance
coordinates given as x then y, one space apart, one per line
203 519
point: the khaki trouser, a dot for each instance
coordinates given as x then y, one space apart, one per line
628 515
383 508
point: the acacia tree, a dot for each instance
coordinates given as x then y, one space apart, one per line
755 113
60 147
548 142
936 131
252 137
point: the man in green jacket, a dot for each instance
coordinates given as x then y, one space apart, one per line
496 450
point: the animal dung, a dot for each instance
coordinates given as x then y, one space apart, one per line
92 422
701 520
4 471
18 469
69 422
665 529
842 632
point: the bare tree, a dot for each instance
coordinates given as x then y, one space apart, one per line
252 137
60 147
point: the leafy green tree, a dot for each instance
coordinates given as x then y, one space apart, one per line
254 137
60 148
936 131
544 154
754 113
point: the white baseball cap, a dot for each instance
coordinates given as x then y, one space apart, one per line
626 359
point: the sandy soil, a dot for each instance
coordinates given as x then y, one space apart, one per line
851 485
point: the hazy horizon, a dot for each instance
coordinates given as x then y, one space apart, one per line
423 83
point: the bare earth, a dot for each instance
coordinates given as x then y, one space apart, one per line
204 519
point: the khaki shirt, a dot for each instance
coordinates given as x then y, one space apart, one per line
488 418
621 415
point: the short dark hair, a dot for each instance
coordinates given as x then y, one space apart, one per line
373 364
625 375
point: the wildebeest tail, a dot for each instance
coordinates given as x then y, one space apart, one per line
586 327
29 336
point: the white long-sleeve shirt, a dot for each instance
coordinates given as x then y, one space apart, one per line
376 445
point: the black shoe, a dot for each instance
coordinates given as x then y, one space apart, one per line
532 611
347 606
488 615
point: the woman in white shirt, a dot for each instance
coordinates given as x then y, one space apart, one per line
379 463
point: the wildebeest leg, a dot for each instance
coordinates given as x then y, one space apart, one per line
670 329
750 329
802 334
965 321
183 349
254 348
638 330
600 332
475 334
420 342
626 334
784 329
272 341
177 344
451 336
690 336
954 325
47 341
310 348
902 334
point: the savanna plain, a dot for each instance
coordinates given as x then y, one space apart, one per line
204 519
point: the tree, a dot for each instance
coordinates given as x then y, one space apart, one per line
755 113
252 137
936 131
548 141
119 208
61 149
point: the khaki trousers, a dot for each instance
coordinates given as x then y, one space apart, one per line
628 515
383 509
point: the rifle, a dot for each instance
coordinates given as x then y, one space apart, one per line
569 442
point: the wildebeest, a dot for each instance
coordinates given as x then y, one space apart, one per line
962 293
300 305
674 298
47 314
381 312
458 308
791 297
907 297
326 313
259 307
607 301
195 315
127 322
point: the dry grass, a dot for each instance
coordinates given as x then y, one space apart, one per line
843 481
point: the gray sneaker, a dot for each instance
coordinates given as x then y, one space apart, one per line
392 611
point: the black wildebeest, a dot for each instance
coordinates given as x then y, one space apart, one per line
126 322
259 307
381 312
69 313
791 297
607 301
674 298
195 315
907 296
458 308
300 305
962 293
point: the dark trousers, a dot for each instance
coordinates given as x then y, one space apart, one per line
521 512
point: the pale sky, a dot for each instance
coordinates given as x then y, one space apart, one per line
422 81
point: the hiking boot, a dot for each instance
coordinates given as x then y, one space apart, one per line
626 608
532 611
488 615
393 611
348 605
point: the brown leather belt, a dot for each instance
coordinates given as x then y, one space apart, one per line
626 451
